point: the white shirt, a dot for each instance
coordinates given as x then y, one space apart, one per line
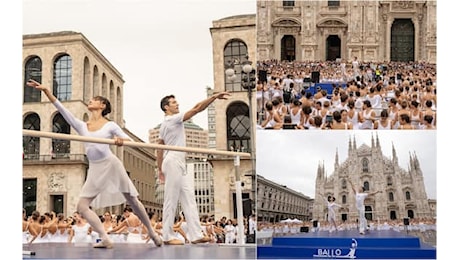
360 197
172 132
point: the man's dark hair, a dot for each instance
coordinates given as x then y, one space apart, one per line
165 101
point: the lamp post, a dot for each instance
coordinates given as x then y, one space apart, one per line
248 82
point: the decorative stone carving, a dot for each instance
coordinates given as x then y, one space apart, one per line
402 5
56 182
262 20
355 38
286 23
332 24
366 22
291 30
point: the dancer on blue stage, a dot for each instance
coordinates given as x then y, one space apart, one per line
331 205
360 196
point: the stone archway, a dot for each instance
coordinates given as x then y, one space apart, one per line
333 31
287 33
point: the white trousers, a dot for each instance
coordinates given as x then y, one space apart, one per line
362 219
179 186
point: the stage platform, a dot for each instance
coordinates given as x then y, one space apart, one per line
383 244
139 251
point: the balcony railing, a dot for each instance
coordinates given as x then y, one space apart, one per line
62 157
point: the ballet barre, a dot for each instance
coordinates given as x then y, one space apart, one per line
35 133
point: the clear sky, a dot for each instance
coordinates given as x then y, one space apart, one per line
291 158
160 47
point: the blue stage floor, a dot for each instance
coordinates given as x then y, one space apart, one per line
386 244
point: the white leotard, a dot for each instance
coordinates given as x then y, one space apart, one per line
94 151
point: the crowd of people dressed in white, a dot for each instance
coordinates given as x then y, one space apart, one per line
126 228
285 228
379 95
267 230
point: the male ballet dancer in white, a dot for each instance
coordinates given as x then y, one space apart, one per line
360 196
179 185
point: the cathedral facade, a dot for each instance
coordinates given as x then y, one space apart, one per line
403 190
326 30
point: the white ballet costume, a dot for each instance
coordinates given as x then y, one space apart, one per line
81 235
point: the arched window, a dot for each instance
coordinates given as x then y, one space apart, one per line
32 70
391 196
96 82
62 81
31 145
86 80
238 127
389 181
61 148
235 52
344 199
366 186
407 195
365 163
344 184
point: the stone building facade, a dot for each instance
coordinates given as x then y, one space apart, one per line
276 202
55 170
403 195
326 30
140 163
233 40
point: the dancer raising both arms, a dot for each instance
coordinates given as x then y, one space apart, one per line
331 205
360 196
107 183
172 169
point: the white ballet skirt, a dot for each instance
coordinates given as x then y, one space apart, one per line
135 237
107 180
61 237
118 238
81 234
25 237
42 239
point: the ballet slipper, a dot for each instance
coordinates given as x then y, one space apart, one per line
176 242
201 240
103 244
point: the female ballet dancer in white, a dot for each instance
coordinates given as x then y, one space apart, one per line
80 232
331 205
107 183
